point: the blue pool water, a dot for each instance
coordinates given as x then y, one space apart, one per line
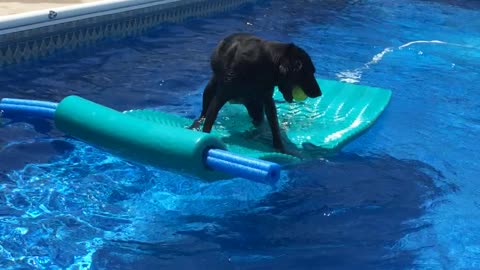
402 196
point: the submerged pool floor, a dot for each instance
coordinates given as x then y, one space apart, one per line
402 196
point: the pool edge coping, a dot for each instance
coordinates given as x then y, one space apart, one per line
43 17
30 35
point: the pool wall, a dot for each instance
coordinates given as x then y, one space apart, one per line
40 33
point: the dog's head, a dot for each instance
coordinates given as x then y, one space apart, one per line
297 69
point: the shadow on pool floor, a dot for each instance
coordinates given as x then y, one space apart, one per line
345 213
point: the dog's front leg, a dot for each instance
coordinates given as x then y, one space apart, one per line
215 105
271 112
208 95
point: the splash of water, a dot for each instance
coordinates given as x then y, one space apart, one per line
354 76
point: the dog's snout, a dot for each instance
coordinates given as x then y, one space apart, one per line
315 95
311 87
314 91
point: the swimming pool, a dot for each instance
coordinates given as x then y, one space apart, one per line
401 196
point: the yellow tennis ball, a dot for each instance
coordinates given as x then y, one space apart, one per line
298 94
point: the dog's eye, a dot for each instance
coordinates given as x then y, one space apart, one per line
298 65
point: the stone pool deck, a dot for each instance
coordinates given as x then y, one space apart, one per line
22 6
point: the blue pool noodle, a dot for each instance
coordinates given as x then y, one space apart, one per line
29 102
258 175
16 109
253 169
245 161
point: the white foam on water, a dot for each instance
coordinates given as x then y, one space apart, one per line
354 76
421 41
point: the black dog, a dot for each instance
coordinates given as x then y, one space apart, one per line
246 69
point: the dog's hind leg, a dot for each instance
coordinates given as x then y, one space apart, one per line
256 112
208 95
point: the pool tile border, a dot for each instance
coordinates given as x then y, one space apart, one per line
21 46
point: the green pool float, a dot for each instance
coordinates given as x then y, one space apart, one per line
313 128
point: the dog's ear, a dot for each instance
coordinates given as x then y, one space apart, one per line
290 62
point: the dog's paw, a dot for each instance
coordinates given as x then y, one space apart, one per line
294 153
196 125
291 152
